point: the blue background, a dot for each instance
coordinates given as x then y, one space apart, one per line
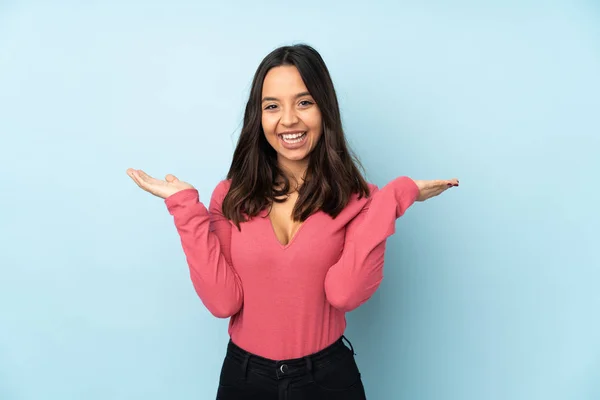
491 290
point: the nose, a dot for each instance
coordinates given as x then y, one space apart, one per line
289 117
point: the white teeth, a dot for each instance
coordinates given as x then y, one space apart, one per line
294 138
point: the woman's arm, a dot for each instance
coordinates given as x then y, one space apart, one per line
206 241
359 271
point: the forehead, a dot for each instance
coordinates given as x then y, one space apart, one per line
283 80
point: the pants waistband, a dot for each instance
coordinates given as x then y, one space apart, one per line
279 369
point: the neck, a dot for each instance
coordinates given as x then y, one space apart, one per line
295 171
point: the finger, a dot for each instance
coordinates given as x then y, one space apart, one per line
147 179
134 175
452 182
171 178
131 172
144 176
442 184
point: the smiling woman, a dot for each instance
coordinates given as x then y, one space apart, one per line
291 120
293 238
292 148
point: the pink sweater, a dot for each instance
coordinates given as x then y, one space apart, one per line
288 301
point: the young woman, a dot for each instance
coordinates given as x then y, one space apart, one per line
292 240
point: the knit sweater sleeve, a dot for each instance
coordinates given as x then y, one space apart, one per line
206 238
359 271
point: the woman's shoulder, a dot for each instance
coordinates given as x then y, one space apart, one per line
221 190
357 203
372 188
223 186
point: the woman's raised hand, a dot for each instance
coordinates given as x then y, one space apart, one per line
429 189
157 187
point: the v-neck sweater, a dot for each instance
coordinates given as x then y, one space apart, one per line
288 301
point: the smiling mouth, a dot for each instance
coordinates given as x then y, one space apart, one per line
292 138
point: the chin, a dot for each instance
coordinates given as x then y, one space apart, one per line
294 156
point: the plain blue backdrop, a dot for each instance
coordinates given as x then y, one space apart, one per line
490 291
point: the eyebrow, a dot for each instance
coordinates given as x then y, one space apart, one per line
276 99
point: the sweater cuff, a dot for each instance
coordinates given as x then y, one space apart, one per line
407 192
181 200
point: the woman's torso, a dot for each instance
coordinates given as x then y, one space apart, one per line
285 313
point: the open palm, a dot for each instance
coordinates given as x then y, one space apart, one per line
432 188
157 187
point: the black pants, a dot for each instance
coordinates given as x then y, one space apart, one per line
330 374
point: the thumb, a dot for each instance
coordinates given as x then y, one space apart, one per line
171 178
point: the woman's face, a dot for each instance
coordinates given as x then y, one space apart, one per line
291 119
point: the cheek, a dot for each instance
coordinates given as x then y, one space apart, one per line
314 118
268 125
317 137
316 124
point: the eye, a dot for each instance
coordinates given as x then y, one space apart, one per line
270 107
306 103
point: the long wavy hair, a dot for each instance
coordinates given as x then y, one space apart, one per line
333 173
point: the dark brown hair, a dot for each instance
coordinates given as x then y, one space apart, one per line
332 175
